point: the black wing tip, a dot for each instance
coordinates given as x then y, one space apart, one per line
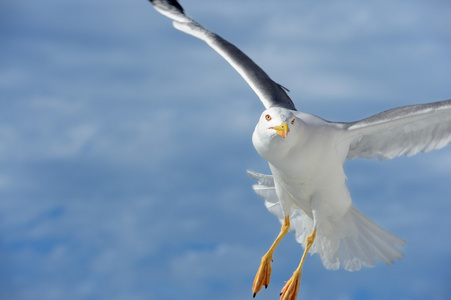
172 3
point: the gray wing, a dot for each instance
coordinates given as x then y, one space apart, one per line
269 92
401 131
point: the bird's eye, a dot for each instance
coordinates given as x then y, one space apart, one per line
268 118
292 121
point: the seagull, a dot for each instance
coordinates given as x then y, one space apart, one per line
307 189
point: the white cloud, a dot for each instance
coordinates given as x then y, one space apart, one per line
120 175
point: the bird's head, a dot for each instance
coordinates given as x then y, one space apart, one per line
275 131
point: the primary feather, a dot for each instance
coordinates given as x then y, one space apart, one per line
401 131
269 92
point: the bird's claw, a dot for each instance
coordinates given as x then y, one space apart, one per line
263 275
264 271
291 288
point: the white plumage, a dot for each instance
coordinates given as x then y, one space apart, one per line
309 180
307 189
354 242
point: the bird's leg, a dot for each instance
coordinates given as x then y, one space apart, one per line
264 271
291 288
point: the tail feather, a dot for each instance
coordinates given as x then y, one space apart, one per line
368 243
350 243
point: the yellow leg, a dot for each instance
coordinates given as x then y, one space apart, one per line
291 288
264 271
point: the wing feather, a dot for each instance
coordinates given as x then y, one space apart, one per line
401 131
269 92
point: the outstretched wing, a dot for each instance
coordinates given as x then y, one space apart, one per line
401 131
269 92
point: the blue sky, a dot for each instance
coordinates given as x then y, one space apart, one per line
120 180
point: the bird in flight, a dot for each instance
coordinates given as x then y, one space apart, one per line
307 189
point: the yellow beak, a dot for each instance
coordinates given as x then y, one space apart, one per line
282 129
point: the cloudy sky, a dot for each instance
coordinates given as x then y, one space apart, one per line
124 145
